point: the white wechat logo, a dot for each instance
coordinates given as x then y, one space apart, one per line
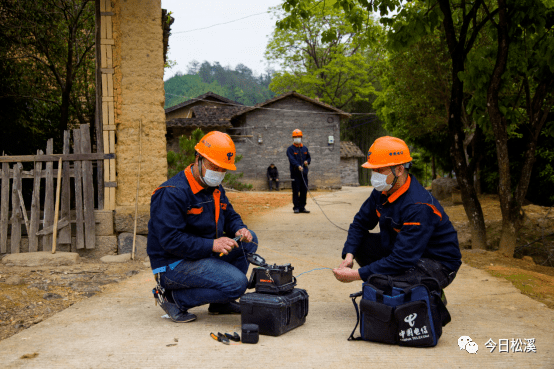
465 342
472 347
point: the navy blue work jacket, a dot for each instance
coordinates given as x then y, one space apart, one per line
412 225
183 220
297 155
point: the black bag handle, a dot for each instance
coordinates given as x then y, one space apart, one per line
379 298
354 296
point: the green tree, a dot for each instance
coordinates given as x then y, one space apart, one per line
514 83
415 96
324 57
177 162
50 45
240 84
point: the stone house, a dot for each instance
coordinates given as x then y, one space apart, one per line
209 112
262 134
349 166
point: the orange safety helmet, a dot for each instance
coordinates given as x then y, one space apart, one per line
387 151
218 148
297 133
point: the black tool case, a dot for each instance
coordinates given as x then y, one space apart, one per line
274 314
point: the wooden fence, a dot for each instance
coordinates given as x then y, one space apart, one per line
40 225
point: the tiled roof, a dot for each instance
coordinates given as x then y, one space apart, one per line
350 150
197 122
207 96
207 116
300 96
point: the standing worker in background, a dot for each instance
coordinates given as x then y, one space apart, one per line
416 238
192 255
273 175
299 158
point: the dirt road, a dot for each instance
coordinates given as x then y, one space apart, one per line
122 328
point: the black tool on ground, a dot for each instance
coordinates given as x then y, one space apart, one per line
250 333
274 314
220 338
234 337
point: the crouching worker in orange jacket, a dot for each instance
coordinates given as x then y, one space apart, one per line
416 238
191 252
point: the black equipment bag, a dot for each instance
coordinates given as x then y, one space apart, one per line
274 314
272 279
400 313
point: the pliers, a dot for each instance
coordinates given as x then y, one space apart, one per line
224 338
220 338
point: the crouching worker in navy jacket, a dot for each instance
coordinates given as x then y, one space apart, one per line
190 245
416 238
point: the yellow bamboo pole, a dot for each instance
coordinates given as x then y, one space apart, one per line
58 186
137 196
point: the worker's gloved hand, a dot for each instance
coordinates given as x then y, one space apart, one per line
348 261
224 245
300 168
306 163
245 233
346 275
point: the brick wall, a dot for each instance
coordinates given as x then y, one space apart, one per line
275 128
349 171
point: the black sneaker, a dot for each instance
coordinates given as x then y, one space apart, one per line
171 309
304 211
224 308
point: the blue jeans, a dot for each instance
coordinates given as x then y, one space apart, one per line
210 280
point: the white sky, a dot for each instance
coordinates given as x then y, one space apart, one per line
243 41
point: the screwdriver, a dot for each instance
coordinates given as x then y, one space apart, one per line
237 239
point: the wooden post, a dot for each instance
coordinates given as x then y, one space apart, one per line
48 197
79 235
4 207
23 209
88 190
65 233
98 121
138 186
58 187
16 211
35 207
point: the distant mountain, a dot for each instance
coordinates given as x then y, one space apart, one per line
237 84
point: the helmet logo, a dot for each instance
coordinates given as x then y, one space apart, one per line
229 156
396 153
368 154
206 143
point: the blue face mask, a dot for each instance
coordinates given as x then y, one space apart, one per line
379 181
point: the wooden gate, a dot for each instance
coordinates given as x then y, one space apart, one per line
55 208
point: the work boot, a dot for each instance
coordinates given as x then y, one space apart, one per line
304 211
296 211
224 308
171 308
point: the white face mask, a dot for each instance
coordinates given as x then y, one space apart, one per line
379 181
297 140
213 178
